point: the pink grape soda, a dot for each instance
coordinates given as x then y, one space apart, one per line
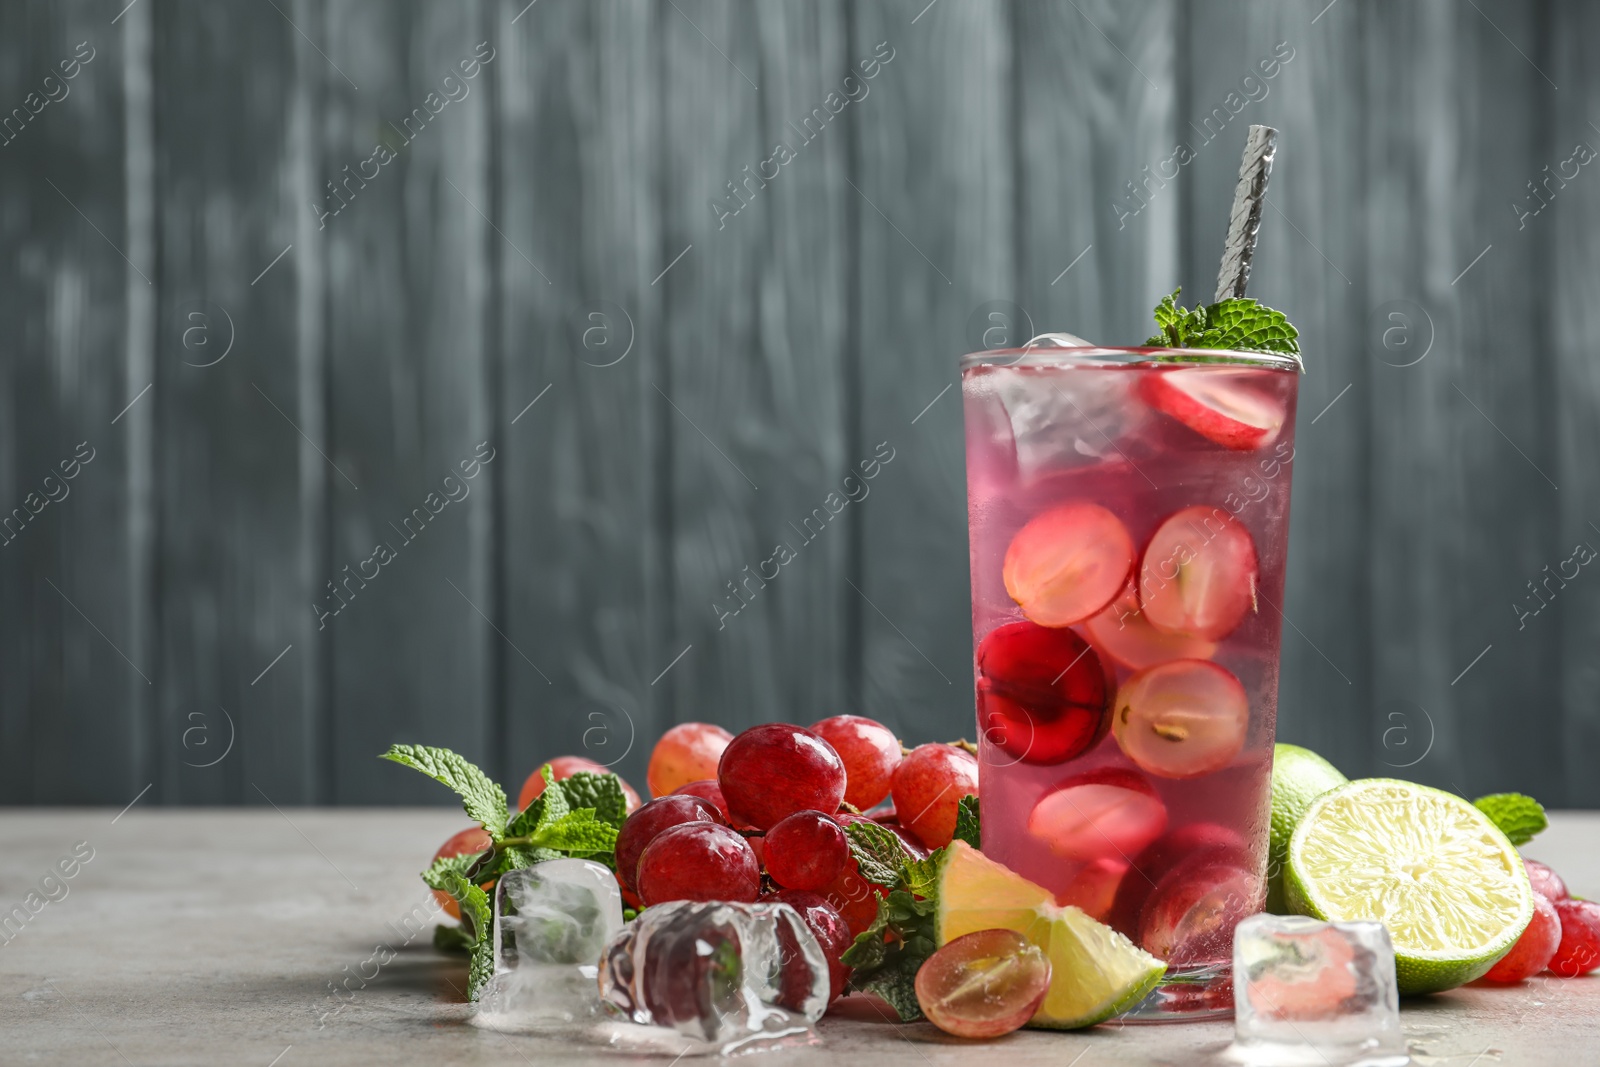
1129 518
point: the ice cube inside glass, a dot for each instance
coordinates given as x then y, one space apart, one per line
1317 993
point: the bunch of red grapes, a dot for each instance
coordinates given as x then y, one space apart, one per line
761 816
1562 938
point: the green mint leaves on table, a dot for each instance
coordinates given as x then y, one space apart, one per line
1518 817
967 821
575 817
886 956
1240 325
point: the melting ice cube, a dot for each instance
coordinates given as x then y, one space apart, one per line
1061 419
1319 993
551 923
725 976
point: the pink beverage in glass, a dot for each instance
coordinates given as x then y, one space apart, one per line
1129 519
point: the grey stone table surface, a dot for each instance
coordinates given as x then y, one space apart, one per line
219 937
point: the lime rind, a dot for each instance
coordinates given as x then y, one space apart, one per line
1432 868
1299 776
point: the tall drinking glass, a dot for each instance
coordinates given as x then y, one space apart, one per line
1129 519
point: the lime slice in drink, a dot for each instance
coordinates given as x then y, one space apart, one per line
1427 864
1095 972
1299 776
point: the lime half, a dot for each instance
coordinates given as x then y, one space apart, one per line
1427 864
1299 776
1095 972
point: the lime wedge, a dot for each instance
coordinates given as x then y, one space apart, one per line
1299 776
1096 973
1427 864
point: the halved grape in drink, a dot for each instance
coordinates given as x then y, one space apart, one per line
1191 914
1067 563
1199 574
1105 814
1211 841
1042 693
983 984
1181 719
1093 888
1227 407
1122 632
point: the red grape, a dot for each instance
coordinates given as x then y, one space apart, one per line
706 789
805 850
565 767
1199 572
1108 813
870 752
643 825
854 898
471 840
1219 405
699 861
1579 952
827 925
1213 840
1043 695
686 753
1190 916
1534 949
1122 632
1068 563
928 787
1181 719
774 770
1546 883
983 984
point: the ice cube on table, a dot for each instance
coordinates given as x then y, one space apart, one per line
551 923
727 977
1312 992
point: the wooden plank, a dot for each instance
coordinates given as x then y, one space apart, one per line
1572 275
754 382
229 474
73 663
934 224
408 283
1463 511
1247 64
584 589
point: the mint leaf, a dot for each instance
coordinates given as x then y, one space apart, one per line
967 821
451 938
577 831
602 792
886 956
482 798
1241 325
878 853
447 869
476 924
547 807
1518 817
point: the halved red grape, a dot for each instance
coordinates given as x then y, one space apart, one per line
776 769
1534 949
644 825
928 787
1123 633
1199 574
1109 813
1190 916
1545 881
1067 563
829 928
565 767
1042 693
1579 951
1220 405
1093 889
983 984
686 753
805 850
698 861
1181 719
870 752
1213 842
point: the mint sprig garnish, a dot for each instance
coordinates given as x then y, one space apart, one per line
1519 817
886 956
575 817
1240 325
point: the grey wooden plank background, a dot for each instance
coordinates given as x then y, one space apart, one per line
573 257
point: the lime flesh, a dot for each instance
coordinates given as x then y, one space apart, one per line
1299 776
1427 864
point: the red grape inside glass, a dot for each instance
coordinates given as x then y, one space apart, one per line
1042 693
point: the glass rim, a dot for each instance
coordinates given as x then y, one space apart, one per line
1055 355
